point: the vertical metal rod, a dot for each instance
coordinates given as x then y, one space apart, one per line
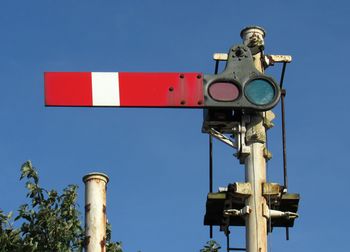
210 176
285 175
211 145
211 158
228 243
255 163
269 221
227 232
216 66
282 74
95 211
210 163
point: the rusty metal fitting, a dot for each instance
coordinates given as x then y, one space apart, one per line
253 37
96 175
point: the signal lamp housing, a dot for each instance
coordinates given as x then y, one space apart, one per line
240 86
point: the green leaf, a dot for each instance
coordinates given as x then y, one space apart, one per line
27 170
9 215
30 186
211 246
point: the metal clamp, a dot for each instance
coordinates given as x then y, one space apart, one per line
234 212
221 137
279 214
240 132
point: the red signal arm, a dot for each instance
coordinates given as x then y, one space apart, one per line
124 89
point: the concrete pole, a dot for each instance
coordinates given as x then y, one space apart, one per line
255 163
95 211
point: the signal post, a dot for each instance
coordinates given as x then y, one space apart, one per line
256 204
236 101
255 163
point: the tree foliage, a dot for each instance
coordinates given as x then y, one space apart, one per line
211 246
50 222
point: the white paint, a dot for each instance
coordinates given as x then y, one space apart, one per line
255 164
256 223
105 89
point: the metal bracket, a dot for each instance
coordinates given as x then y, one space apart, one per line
280 214
268 117
265 211
234 212
242 189
267 154
272 189
240 132
274 214
221 137
220 56
270 60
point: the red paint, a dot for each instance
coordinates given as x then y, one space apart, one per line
223 91
161 90
135 89
68 89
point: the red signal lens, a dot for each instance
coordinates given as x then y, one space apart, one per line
223 91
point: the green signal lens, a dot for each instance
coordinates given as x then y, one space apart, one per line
260 92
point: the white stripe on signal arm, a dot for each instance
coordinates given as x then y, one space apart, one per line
105 89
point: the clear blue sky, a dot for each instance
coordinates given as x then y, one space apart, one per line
157 160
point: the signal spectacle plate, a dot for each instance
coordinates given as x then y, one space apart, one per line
260 92
223 91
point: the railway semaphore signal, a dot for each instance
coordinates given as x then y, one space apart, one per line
236 102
